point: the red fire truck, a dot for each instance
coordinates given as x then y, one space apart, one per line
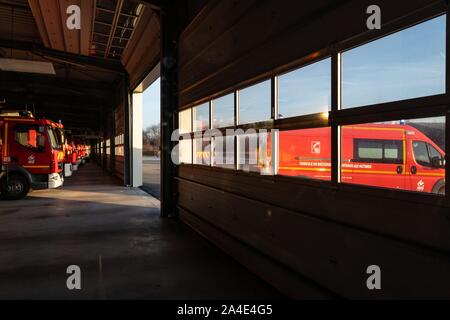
67 155
381 155
31 156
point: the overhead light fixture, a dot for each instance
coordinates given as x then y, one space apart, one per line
27 66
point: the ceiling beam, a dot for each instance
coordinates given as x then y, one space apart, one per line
7 77
81 102
117 12
40 50
155 4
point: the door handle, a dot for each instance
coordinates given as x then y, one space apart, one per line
413 169
399 169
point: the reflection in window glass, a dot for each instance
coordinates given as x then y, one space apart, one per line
202 151
223 152
421 153
305 153
404 65
407 155
201 117
185 121
185 151
29 136
255 152
305 91
378 150
255 103
223 112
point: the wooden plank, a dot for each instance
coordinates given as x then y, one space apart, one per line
51 16
87 9
415 218
330 254
282 278
37 14
71 37
251 48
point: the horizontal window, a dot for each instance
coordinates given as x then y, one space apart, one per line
404 65
223 112
185 151
305 91
255 152
378 150
223 152
407 155
202 151
255 103
305 153
201 117
185 121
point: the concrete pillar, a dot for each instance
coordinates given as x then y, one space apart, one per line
137 139
127 174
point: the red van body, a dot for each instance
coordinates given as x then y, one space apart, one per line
380 155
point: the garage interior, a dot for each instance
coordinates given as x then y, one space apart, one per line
216 233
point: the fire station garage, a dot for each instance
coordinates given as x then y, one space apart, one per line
302 149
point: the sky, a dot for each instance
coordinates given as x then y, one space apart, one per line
404 65
151 107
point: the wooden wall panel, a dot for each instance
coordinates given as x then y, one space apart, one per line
284 279
408 220
327 235
331 254
141 56
51 17
119 130
261 36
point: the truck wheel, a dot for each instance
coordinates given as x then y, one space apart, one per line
439 187
14 187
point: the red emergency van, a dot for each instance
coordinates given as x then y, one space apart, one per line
381 155
30 155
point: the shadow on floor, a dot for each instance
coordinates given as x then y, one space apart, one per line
123 247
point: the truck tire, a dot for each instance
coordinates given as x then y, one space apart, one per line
439 187
14 187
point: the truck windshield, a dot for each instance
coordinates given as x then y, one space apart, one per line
60 136
53 138
424 153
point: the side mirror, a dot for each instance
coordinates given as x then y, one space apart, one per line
437 162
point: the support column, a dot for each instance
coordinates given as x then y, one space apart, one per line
112 143
127 175
170 32
137 139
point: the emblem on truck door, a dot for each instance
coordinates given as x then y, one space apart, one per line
420 185
31 159
315 147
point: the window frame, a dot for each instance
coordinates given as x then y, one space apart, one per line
383 160
424 107
298 68
28 128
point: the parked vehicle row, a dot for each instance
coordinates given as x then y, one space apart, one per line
395 156
35 154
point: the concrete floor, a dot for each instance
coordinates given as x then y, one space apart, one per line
125 250
151 176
